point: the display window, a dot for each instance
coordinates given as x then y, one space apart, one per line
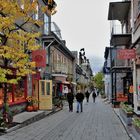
19 91
15 93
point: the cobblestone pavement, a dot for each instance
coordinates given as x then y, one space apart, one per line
97 122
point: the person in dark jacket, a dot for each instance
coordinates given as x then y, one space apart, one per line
94 96
70 98
87 94
79 98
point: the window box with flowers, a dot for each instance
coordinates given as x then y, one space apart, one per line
32 103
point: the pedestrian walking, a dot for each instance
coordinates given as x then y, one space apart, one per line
87 94
94 96
70 98
79 98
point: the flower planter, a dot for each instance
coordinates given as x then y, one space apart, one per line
126 116
29 108
35 107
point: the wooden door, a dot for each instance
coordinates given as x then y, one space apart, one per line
45 94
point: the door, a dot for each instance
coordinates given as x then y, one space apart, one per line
45 94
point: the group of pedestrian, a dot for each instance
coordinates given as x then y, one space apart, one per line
79 97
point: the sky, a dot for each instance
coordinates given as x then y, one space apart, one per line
84 24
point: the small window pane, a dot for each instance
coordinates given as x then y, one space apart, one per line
48 88
42 88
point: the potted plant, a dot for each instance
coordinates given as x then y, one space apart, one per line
32 103
29 107
35 103
126 112
127 109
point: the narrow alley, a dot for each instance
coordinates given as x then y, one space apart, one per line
98 121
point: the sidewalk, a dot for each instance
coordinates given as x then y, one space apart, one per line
26 118
129 128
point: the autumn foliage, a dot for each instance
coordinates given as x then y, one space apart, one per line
18 37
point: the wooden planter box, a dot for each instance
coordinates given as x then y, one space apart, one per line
126 116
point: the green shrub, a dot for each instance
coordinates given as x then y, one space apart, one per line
127 108
136 121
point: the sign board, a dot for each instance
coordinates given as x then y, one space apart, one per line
126 54
39 56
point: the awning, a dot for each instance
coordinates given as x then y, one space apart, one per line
118 10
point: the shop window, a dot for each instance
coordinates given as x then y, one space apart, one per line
19 91
15 93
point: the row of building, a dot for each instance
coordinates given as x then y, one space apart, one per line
56 67
122 57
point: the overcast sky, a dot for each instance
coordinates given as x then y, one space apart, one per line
84 24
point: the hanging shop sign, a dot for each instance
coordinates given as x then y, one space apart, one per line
39 56
126 54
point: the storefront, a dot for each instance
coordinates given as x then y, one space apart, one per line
16 93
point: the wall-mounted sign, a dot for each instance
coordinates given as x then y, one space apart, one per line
126 54
39 56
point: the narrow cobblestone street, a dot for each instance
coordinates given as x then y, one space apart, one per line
97 122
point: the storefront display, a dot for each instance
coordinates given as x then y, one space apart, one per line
15 93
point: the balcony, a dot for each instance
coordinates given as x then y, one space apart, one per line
119 36
54 28
118 14
119 10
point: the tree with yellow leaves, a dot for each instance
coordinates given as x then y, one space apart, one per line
18 37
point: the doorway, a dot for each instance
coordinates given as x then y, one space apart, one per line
45 94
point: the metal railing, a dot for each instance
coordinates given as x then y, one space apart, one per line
54 28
